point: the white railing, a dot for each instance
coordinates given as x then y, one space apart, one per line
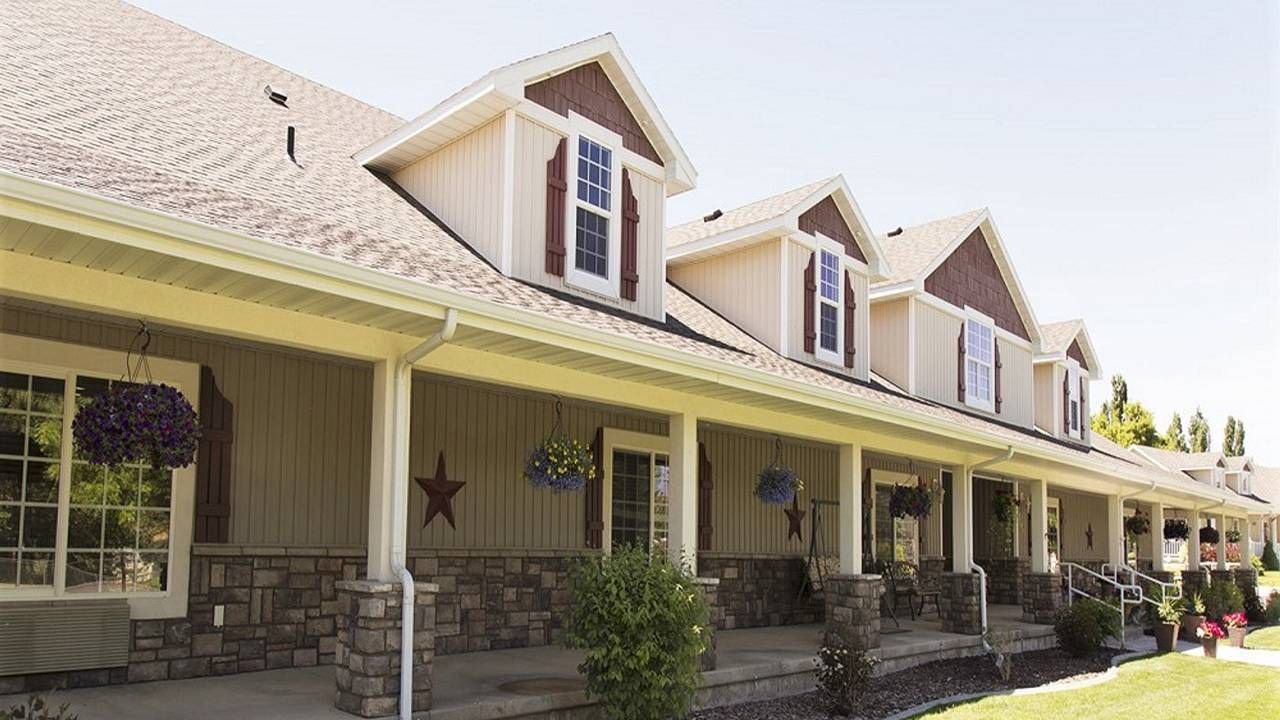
1256 548
1167 589
1130 593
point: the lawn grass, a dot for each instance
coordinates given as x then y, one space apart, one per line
1270 577
1264 639
1167 686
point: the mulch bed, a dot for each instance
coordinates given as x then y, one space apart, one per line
897 692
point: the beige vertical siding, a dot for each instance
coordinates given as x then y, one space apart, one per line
990 539
797 258
301 452
742 523
462 184
1047 413
485 433
890 340
1080 512
534 146
937 333
743 286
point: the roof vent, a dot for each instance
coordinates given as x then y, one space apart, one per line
895 232
278 98
288 143
713 216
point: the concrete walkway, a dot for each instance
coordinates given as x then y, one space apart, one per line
1265 658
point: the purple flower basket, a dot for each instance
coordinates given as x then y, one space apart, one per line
562 464
137 423
777 485
909 501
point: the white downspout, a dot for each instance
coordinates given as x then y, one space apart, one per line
400 500
1004 456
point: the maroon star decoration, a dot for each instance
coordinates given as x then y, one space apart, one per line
440 491
794 516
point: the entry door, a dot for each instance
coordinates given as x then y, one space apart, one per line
1053 534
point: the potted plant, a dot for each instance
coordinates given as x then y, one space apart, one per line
1004 508
910 501
1170 612
137 423
1137 524
560 463
1176 529
1233 536
1209 535
1209 633
1191 621
1237 625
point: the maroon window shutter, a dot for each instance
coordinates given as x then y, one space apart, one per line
810 297
630 226
850 308
706 484
1084 419
594 494
213 462
999 365
960 363
1066 402
556 187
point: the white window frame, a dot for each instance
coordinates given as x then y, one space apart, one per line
834 247
637 442
1074 399
55 359
970 398
610 286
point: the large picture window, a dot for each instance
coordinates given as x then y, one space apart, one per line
31 425
979 354
636 490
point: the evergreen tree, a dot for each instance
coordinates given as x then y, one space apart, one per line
1119 396
1174 437
1239 449
1229 437
1198 432
1125 423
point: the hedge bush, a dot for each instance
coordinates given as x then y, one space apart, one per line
1270 560
1083 627
1272 614
643 623
1222 598
844 671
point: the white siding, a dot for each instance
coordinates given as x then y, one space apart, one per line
742 285
534 146
462 184
1046 410
937 333
890 340
797 258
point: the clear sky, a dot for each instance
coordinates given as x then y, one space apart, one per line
1129 151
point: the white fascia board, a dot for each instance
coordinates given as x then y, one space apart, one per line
431 301
879 267
906 288
721 243
1090 354
370 154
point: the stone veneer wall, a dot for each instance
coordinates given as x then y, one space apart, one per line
1194 582
760 590
853 604
281 605
1004 579
1041 597
961 603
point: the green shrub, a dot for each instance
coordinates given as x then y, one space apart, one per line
643 623
37 709
1272 613
1256 562
844 671
1083 627
1270 560
1222 598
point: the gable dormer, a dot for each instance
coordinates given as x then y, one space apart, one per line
555 169
1238 474
1063 368
793 270
952 323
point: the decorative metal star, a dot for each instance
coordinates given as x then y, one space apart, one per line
440 491
794 516
1088 535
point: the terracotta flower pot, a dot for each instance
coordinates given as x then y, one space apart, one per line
1189 625
1210 645
1236 636
1166 636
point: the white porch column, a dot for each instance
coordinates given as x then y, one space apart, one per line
1222 542
961 519
850 494
1038 490
1246 544
390 419
1155 537
682 512
1115 530
1275 526
1193 541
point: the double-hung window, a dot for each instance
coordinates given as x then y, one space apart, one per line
1073 397
979 362
637 486
829 306
593 213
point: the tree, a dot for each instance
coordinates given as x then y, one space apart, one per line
1119 396
1125 423
1174 437
1198 432
1229 437
1236 447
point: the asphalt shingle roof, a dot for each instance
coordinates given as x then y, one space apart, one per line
749 214
1057 337
912 250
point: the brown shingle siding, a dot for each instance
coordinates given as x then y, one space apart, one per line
588 91
825 218
971 277
1076 353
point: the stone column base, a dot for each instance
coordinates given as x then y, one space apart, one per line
1246 579
853 604
961 603
711 594
1217 576
1041 597
1194 583
368 647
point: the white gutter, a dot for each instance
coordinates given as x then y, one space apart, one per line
1005 456
400 501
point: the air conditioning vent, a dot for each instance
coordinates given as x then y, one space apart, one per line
38 637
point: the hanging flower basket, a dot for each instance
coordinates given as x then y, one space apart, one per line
1004 508
560 463
138 423
777 484
1209 535
910 501
1233 536
1137 524
1176 530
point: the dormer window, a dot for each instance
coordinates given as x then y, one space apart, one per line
1073 398
593 212
979 354
829 307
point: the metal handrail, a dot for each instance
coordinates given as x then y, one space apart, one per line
1134 573
1123 588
